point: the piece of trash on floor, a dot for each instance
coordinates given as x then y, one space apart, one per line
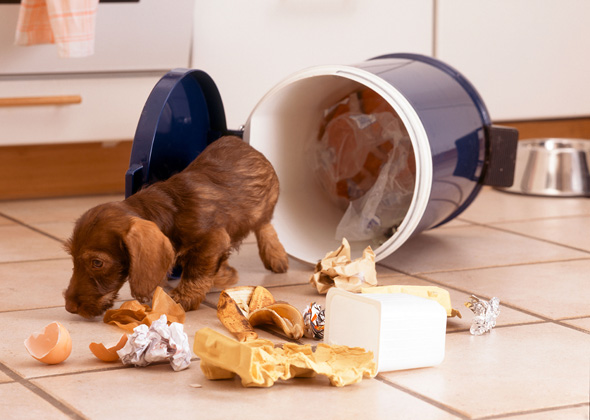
435 293
486 313
240 309
314 318
108 354
260 364
337 269
133 313
156 343
53 345
402 330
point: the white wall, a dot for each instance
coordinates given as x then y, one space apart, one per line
250 46
529 59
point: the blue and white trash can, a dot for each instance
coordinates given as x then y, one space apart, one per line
451 148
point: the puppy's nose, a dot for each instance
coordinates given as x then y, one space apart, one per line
71 307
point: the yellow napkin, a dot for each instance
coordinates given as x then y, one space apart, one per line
435 293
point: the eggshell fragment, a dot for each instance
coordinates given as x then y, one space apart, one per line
52 345
108 354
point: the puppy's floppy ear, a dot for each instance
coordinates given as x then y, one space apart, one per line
150 257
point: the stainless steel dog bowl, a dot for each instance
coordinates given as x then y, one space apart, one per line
552 167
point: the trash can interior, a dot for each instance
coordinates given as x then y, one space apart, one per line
283 126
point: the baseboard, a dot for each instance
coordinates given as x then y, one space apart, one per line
63 169
99 168
576 128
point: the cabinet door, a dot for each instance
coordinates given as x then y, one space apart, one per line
529 59
250 46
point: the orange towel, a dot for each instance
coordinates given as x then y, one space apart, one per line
70 24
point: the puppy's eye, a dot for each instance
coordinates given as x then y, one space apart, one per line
96 263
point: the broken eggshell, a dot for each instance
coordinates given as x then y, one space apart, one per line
53 345
241 308
108 354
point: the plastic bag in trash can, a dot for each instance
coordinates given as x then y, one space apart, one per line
365 163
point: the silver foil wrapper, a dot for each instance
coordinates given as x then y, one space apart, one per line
314 319
485 312
159 342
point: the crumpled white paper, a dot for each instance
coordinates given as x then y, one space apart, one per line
157 343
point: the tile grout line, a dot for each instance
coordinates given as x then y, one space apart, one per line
30 309
571 327
34 261
499 327
533 219
574 318
543 318
535 411
106 369
485 267
65 409
422 397
453 411
33 228
500 229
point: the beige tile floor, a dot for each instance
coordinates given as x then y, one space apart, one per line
533 253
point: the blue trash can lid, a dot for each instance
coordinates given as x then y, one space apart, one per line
182 115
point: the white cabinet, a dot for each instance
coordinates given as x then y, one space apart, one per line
529 59
109 109
136 43
247 47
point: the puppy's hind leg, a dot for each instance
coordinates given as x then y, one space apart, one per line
271 250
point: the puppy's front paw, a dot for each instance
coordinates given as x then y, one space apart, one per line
188 302
276 260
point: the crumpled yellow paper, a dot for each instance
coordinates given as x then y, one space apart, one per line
132 313
337 269
260 364
435 293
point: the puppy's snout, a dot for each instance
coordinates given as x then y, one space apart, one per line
71 306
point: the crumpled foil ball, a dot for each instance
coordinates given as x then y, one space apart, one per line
156 343
485 312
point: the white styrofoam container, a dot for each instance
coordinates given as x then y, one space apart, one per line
403 331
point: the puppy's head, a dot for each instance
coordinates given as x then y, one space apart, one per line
109 246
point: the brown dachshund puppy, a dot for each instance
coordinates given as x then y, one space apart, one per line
194 219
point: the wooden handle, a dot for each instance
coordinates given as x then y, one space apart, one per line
41 100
